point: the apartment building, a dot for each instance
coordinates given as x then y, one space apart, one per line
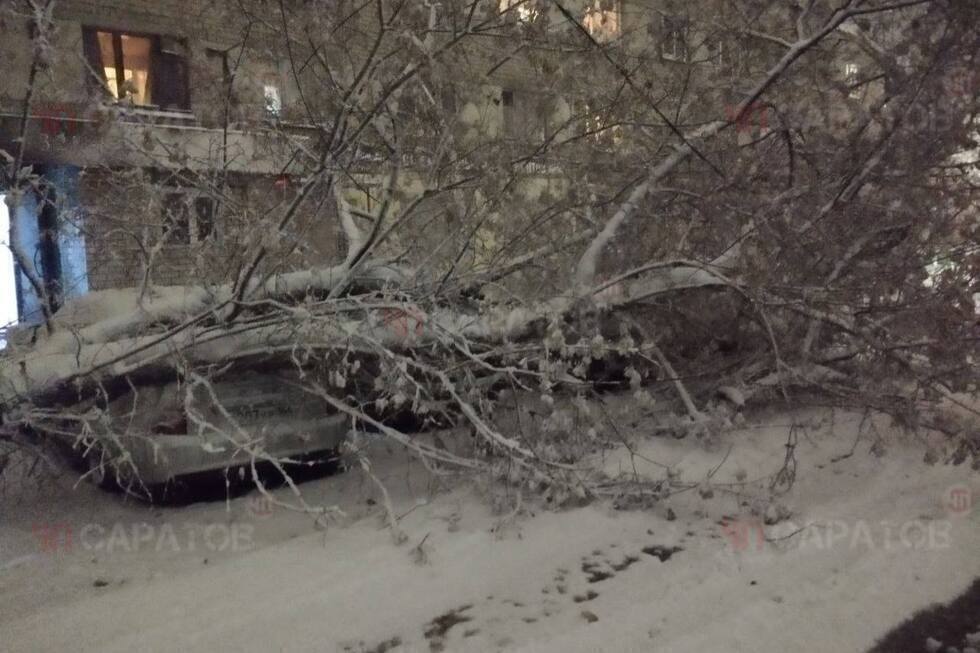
134 108
179 109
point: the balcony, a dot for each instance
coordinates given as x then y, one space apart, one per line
119 135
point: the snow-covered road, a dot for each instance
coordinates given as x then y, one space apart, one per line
868 540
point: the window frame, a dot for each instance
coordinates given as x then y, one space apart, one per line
272 104
521 11
119 63
526 115
681 28
90 39
594 8
212 55
191 196
851 73
716 52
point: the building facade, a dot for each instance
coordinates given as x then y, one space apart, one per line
190 115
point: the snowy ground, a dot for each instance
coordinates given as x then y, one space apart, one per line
869 539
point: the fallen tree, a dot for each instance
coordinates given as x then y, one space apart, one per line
794 260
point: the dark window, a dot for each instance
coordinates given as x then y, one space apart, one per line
219 70
188 218
169 68
673 38
449 101
714 52
204 217
526 115
176 219
145 69
512 123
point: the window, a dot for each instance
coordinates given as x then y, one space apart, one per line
365 197
715 52
673 38
126 66
214 83
601 128
272 99
219 71
512 123
142 69
738 55
725 54
449 102
188 217
852 73
527 115
602 20
522 10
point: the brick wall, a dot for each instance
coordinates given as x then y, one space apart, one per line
124 230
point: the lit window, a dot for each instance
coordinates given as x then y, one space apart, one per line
524 10
126 66
602 20
673 44
852 78
601 129
144 70
273 100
